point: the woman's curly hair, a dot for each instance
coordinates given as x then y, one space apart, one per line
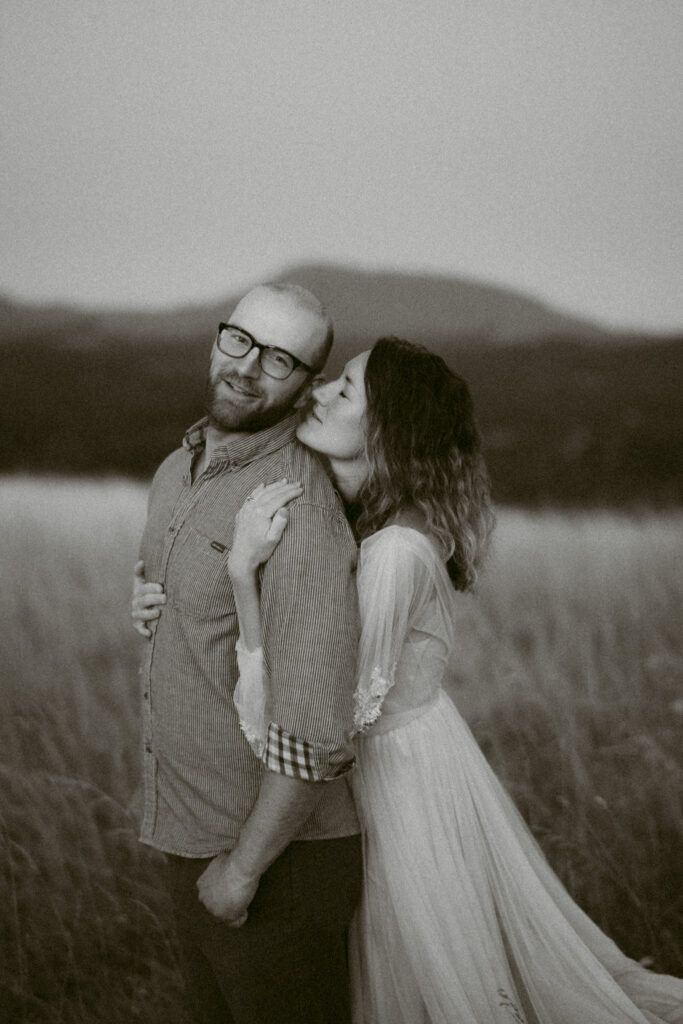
423 451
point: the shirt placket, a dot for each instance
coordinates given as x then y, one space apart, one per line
187 499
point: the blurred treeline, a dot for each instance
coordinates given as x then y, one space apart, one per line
564 422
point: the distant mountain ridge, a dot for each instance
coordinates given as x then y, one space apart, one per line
570 413
364 305
423 307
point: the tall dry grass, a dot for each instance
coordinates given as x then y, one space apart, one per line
568 667
85 928
571 673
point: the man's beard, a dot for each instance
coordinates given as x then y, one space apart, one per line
231 419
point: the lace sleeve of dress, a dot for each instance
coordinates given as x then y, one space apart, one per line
368 698
250 696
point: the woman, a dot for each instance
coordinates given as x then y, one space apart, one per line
462 920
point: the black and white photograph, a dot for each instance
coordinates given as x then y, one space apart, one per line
341 512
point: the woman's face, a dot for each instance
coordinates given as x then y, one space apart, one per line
335 426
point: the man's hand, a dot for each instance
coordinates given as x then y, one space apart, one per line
148 600
225 892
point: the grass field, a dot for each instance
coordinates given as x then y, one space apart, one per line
569 669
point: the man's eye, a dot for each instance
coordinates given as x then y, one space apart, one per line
280 358
239 339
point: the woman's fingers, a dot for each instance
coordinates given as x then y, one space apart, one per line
256 492
278 497
147 603
278 524
146 614
265 500
150 590
150 599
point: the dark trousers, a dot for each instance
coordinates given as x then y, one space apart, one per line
288 963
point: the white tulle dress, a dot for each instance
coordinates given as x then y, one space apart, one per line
462 921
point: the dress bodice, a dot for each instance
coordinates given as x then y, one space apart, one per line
406 605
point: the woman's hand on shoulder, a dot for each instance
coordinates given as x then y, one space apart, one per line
259 525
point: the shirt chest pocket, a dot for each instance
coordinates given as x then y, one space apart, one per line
197 578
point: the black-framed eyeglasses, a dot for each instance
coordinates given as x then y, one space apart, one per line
275 362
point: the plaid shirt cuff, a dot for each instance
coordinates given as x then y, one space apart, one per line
300 759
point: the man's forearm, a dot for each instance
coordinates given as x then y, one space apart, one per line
229 883
281 808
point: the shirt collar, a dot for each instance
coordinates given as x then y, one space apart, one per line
244 447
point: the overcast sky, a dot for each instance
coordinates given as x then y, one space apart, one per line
161 151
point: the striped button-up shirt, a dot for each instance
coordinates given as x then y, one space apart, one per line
201 777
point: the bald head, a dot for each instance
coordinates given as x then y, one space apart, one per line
307 313
241 396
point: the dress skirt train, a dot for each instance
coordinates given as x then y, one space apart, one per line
462 919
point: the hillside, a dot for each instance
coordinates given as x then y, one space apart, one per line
570 414
363 304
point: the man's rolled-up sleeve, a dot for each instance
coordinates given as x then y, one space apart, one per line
310 629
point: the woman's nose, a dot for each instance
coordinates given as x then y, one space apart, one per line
322 391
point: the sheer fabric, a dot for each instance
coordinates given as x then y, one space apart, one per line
462 920
251 696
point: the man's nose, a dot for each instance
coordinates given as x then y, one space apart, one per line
250 364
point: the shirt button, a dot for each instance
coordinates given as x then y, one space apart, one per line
148 749
146 696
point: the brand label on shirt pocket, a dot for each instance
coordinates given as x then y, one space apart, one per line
197 578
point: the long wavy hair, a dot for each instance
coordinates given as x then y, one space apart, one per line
423 450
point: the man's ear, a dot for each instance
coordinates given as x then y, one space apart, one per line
305 398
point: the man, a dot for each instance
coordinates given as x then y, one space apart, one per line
264 859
